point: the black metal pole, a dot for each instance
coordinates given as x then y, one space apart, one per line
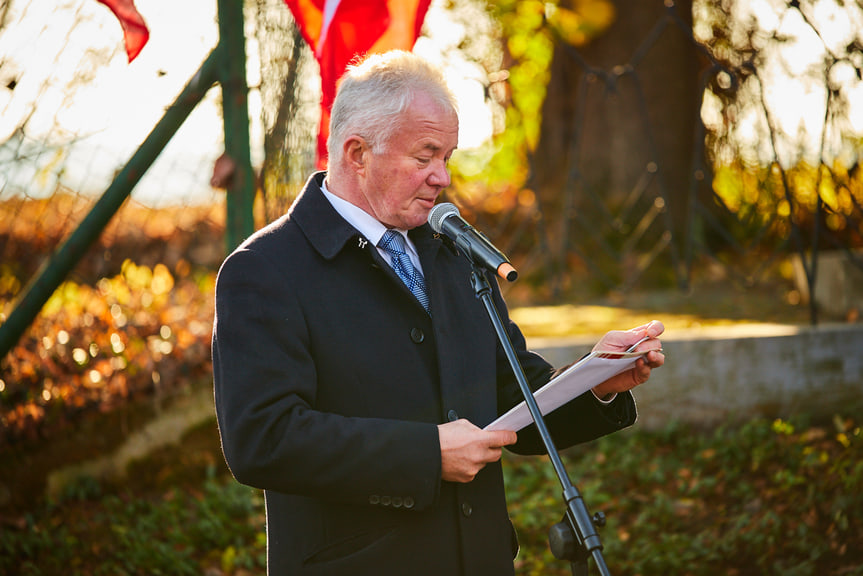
240 221
577 518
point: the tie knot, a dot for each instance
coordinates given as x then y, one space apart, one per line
392 242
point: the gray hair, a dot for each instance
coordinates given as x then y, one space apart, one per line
375 92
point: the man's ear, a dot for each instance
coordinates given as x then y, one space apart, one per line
355 148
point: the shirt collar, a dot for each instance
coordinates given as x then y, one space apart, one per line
365 223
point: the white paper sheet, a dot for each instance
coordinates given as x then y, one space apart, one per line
593 369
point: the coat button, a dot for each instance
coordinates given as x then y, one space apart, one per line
409 502
466 509
452 415
374 499
417 335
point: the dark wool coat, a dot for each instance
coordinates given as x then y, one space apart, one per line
330 381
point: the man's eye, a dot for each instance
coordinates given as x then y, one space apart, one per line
423 160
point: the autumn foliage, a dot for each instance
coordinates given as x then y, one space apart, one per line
134 319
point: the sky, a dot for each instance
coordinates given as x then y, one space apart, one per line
108 116
80 138
48 43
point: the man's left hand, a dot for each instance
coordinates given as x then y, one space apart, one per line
622 340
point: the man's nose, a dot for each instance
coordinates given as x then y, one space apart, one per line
440 175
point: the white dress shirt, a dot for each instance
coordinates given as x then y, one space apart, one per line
369 226
373 230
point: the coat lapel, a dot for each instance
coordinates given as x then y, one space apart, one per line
329 233
324 228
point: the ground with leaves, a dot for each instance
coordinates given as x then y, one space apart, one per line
767 497
764 498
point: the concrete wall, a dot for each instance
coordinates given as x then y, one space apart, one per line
735 373
710 376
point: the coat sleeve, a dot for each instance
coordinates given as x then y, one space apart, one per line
265 387
582 419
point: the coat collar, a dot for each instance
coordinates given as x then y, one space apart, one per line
329 233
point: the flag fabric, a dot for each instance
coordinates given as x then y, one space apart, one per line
339 30
135 31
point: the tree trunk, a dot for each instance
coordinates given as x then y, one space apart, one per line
613 164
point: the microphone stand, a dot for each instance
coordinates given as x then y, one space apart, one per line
574 538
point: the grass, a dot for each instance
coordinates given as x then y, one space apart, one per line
763 498
177 512
708 306
768 497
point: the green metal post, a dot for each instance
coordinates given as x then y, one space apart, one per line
235 109
55 270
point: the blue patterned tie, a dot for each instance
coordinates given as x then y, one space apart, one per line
394 244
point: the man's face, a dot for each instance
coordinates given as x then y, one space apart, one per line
403 180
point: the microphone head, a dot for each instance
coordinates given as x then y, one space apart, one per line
441 212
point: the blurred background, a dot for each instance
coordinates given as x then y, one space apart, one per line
695 161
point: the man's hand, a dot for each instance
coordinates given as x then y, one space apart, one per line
466 449
619 341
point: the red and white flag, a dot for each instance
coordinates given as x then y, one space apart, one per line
135 32
339 30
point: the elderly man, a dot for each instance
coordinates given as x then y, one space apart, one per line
355 367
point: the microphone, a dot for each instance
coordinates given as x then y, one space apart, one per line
445 219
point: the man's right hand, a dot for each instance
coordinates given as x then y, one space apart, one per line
466 449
